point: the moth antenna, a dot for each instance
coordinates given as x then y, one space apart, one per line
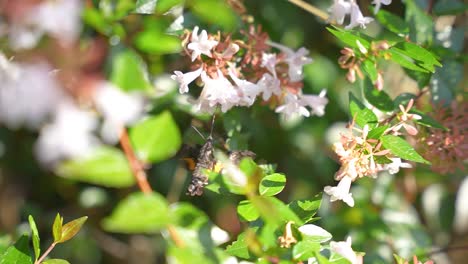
212 125
199 133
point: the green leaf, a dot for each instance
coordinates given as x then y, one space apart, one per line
369 68
427 120
239 248
57 228
377 132
96 20
274 211
106 166
165 5
247 211
423 57
421 25
380 99
156 138
70 229
215 12
306 249
401 148
55 261
129 72
404 60
403 99
139 213
361 114
349 37
17 253
156 42
35 237
306 209
188 216
272 184
392 22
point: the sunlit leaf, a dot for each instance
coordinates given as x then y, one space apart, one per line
401 148
247 211
215 12
272 184
17 253
139 213
57 228
306 209
380 99
35 237
70 229
106 166
56 261
156 138
129 72
304 250
392 22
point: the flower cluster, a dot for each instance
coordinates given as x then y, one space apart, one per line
232 78
448 149
66 130
358 155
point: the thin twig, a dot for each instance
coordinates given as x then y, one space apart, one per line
139 173
39 261
311 9
135 165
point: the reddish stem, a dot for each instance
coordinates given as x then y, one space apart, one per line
135 165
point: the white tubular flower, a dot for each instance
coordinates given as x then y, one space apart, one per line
339 10
357 19
219 236
378 3
248 90
69 136
344 249
60 18
395 166
269 62
200 44
118 109
316 102
9 71
269 85
341 191
216 91
295 60
315 231
29 99
184 79
292 107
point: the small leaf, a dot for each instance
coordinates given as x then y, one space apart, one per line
379 99
404 60
139 213
57 228
306 249
361 114
106 166
377 132
156 42
247 211
349 37
370 69
392 22
423 57
240 247
214 12
274 211
17 253
129 73
272 184
306 209
55 261
401 148
156 138
427 120
35 237
70 229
